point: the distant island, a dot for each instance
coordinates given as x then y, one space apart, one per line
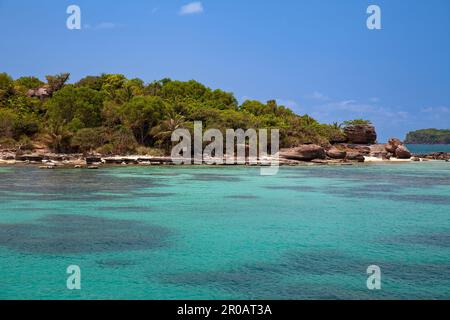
428 136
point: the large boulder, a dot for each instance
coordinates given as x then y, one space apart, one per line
402 153
304 153
335 153
338 138
29 157
361 134
355 156
93 159
397 149
392 145
41 93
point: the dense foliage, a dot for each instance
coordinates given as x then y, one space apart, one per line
357 122
115 115
428 136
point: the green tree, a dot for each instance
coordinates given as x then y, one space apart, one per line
56 82
143 113
89 139
58 137
6 87
8 121
80 106
28 83
91 82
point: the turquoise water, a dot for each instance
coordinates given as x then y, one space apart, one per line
226 233
428 148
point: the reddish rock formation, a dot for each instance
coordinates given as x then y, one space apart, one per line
392 145
304 153
355 156
335 153
396 148
402 153
361 134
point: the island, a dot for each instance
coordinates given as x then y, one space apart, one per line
110 119
428 136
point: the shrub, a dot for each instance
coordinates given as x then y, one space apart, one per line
7 143
88 139
146 151
24 143
357 122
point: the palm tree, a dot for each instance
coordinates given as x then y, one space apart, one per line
58 137
336 126
163 132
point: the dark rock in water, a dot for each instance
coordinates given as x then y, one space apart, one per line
8 157
47 167
435 156
402 153
121 161
335 153
355 156
361 134
304 153
91 160
30 157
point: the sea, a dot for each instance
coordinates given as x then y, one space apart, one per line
428 148
309 232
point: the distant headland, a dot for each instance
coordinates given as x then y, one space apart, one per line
428 136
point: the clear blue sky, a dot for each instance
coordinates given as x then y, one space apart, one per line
316 56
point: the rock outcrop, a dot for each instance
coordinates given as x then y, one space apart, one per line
29 157
54 83
41 93
392 145
355 156
402 153
396 148
304 153
335 153
445 156
361 134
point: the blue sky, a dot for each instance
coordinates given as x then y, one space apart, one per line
316 56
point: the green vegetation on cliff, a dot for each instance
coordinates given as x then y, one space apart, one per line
428 136
115 115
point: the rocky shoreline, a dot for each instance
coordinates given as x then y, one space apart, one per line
360 146
304 155
339 154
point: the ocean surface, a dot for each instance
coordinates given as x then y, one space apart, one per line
226 233
428 148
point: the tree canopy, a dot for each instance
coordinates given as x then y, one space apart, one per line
113 114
